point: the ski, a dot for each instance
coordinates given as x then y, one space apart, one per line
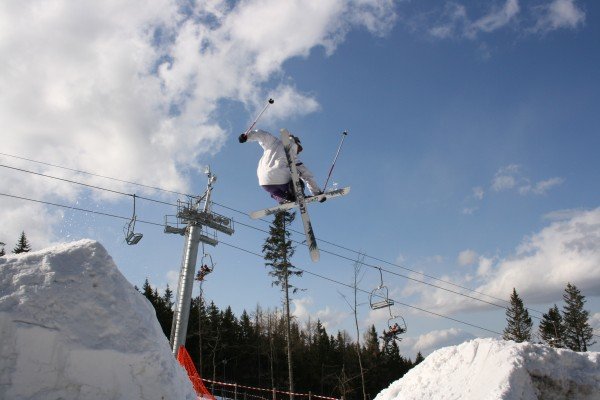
310 199
311 241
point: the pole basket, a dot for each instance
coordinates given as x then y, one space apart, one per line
186 362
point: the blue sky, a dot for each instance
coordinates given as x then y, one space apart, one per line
472 150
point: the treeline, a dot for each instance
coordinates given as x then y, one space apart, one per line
22 245
251 350
567 329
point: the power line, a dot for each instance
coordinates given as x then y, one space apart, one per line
261 256
367 292
249 252
97 175
86 185
295 231
391 264
78 209
326 251
265 221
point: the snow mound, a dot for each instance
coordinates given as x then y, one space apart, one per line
72 327
491 369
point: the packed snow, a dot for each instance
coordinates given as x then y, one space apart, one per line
491 369
72 327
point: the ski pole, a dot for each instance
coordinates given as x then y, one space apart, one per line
344 134
271 101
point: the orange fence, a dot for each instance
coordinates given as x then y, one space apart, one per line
234 391
186 362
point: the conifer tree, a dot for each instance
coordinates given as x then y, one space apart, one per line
278 251
551 328
578 334
2 252
23 245
419 358
519 323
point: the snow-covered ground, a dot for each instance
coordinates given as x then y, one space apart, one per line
491 369
72 327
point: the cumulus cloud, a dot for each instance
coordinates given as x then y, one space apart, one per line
431 341
123 87
566 250
467 257
558 14
328 317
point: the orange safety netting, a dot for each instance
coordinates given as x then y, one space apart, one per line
186 362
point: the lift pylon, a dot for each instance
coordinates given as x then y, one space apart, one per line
193 220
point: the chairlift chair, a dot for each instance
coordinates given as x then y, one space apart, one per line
131 237
396 327
204 268
379 297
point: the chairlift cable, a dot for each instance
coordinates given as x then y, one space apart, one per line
260 255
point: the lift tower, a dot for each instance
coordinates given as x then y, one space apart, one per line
194 218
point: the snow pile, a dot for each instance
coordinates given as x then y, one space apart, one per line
491 369
72 327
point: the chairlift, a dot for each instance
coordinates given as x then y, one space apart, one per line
379 297
204 268
130 236
396 327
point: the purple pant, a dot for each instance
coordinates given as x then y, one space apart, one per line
283 193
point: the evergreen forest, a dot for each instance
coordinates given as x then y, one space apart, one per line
250 350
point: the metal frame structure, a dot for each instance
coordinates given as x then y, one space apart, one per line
193 219
130 236
380 292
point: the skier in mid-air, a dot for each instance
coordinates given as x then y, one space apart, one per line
273 171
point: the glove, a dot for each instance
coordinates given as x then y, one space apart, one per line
243 137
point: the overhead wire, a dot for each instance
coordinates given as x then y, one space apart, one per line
92 174
367 292
265 221
452 284
260 255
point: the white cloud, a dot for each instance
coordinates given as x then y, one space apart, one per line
558 14
564 251
328 317
541 187
431 341
467 257
456 23
478 192
510 177
453 21
496 19
505 178
124 87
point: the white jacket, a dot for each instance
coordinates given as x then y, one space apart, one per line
272 166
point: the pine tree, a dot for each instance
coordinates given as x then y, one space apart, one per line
552 329
278 251
578 333
419 359
518 319
23 245
2 252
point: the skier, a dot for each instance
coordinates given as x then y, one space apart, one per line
273 171
394 331
204 270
